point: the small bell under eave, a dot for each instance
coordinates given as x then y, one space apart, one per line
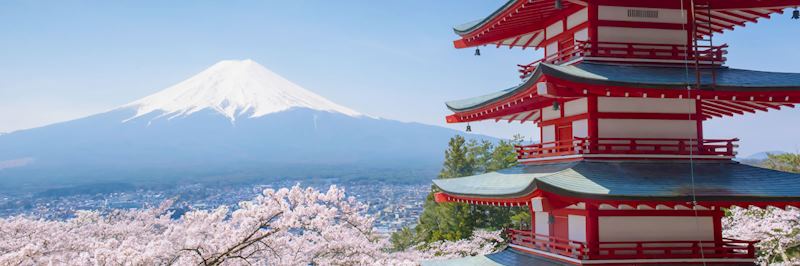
796 14
555 106
469 128
477 51
559 5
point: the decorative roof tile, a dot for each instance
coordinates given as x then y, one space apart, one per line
638 76
654 180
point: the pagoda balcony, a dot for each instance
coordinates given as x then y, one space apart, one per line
726 249
632 52
629 148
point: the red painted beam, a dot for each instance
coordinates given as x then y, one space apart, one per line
729 21
534 36
740 4
724 108
655 116
734 14
759 14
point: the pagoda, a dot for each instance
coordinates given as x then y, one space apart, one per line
622 173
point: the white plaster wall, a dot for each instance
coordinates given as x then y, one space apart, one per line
580 128
646 128
577 18
641 35
549 114
581 35
577 227
645 105
620 13
576 107
536 40
552 48
542 223
548 133
555 29
651 228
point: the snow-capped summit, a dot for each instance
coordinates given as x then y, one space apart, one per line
234 88
281 131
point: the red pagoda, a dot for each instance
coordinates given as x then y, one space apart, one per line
622 173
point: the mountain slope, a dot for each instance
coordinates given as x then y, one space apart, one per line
234 88
234 121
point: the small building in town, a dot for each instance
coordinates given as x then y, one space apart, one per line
622 173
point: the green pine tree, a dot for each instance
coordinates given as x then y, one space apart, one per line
453 221
457 160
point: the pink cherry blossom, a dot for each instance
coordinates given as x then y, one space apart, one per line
293 226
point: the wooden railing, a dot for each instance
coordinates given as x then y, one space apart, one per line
706 55
641 146
728 248
550 244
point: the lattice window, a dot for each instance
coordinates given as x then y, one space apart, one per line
641 13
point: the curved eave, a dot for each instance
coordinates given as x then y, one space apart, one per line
514 19
474 103
653 77
771 89
726 183
471 26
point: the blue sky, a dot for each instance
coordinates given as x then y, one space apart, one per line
394 59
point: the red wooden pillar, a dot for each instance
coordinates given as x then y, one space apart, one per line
717 225
591 104
592 231
533 218
592 18
698 116
690 34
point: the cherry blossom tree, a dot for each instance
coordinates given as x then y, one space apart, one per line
279 227
778 231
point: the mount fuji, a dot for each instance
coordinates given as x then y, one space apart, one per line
236 120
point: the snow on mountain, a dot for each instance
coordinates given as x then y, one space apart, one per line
281 131
234 88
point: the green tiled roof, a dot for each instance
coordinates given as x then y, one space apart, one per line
727 79
507 257
472 25
475 102
633 180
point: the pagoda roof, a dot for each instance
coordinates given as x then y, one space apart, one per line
518 23
516 18
641 77
506 257
639 180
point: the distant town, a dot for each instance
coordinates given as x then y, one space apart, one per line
393 205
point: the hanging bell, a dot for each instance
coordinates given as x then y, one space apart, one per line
796 14
555 106
469 128
477 51
559 5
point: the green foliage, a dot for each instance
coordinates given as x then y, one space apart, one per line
458 159
522 220
787 162
454 221
403 239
